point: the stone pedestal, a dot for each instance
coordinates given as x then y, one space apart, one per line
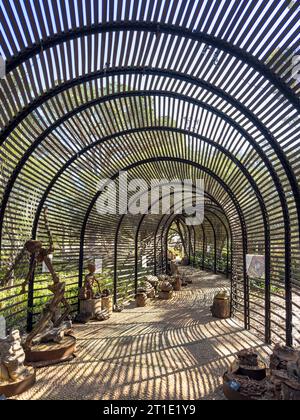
221 307
107 304
91 306
166 295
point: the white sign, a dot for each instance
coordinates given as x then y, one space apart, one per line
99 266
296 68
2 328
144 261
45 268
2 68
256 265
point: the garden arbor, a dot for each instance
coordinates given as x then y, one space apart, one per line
162 90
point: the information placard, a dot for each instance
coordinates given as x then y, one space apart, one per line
144 261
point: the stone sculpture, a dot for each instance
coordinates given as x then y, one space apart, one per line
285 368
150 290
38 254
48 317
118 308
166 290
12 358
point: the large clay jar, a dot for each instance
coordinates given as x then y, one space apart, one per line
141 300
166 290
221 306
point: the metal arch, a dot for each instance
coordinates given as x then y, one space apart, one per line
137 238
196 102
165 234
133 131
250 179
203 247
267 134
197 166
166 29
116 253
155 245
158 226
74 158
217 91
168 159
250 116
268 327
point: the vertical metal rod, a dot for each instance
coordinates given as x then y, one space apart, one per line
215 243
203 247
116 259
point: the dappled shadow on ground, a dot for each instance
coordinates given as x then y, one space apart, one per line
168 350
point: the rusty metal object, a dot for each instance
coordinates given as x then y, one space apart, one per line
249 389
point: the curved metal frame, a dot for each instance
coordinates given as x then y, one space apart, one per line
160 28
197 166
216 42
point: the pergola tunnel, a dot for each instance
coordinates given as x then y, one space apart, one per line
154 90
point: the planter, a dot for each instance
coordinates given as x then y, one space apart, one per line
91 307
221 306
141 300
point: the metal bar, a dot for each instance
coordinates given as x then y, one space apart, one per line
213 41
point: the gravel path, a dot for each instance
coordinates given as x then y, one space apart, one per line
168 350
